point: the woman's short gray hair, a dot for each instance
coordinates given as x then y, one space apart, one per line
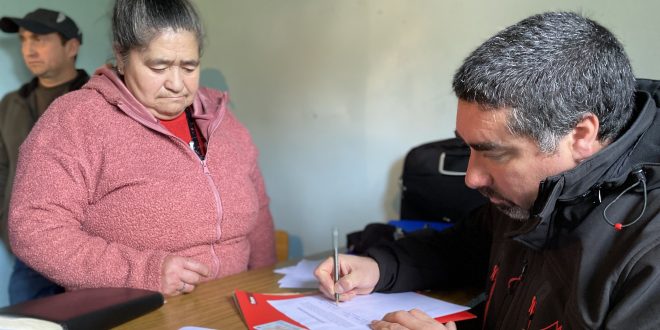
135 23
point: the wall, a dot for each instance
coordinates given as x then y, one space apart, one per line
92 18
336 92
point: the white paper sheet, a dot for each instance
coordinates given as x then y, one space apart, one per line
17 322
300 276
318 312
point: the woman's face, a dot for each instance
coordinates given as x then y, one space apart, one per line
164 76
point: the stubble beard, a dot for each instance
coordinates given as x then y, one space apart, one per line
509 208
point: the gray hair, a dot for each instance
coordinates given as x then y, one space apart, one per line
135 23
551 69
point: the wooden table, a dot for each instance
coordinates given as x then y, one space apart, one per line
211 304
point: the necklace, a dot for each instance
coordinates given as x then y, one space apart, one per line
194 144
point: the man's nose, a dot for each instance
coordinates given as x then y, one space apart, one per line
28 48
476 175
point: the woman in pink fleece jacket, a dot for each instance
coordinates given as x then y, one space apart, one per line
141 179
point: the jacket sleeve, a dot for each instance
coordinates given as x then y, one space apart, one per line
429 259
4 181
637 305
262 239
56 176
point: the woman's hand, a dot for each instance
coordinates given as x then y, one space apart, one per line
181 275
414 319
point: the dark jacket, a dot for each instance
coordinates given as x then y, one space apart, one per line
565 267
18 113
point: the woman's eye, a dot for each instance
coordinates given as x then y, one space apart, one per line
158 69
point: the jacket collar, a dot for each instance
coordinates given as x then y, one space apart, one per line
77 82
610 167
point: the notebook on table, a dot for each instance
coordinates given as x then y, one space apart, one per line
97 308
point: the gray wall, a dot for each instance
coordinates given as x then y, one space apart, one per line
336 92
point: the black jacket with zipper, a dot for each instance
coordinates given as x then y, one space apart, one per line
566 267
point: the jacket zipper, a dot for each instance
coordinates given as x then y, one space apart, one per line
530 312
209 179
493 280
509 296
218 212
515 281
530 316
214 189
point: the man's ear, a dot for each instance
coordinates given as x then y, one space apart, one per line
71 47
584 137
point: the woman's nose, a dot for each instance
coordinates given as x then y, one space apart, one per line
174 81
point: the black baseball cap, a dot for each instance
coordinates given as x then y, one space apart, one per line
43 21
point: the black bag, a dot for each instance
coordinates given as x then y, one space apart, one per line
433 183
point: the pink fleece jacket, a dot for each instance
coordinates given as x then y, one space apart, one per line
103 193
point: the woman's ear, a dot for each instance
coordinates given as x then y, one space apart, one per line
584 137
119 60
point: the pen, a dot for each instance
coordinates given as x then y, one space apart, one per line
335 248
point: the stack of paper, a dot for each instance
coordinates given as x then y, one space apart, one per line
318 312
313 311
300 276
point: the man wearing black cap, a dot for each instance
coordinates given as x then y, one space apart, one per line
49 44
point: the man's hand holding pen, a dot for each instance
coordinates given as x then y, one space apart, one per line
358 275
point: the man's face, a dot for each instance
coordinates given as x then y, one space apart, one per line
506 168
44 54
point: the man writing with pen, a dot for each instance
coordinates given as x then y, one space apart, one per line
567 149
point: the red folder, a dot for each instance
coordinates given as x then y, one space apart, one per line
460 316
256 310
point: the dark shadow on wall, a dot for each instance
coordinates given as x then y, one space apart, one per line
213 78
392 200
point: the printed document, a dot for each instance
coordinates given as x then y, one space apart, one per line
318 312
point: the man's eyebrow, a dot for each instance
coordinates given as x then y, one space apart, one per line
486 146
482 146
